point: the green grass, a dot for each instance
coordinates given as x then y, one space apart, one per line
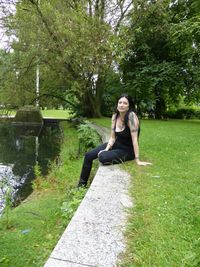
60 114
37 223
51 113
163 229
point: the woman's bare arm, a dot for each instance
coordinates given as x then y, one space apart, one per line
133 124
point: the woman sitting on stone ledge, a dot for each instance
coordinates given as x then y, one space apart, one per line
123 143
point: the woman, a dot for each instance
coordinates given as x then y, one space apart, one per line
123 142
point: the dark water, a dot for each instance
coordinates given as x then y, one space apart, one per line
20 149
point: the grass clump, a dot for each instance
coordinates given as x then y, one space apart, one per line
164 224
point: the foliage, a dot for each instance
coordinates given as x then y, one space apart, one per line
89 52
158 65
39 179
113 89
184 35
88 137
183 113
8 80
147 66
69 207
71 44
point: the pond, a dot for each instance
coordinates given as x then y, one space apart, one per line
21 148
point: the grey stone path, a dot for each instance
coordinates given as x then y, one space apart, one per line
94 237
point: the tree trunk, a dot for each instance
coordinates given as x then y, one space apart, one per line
160 107
93 98
100 85
90 109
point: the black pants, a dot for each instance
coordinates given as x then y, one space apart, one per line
113 156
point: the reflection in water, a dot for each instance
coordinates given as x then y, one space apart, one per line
20 149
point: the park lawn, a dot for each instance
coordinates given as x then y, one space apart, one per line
163 228
34 227
47 113
59 113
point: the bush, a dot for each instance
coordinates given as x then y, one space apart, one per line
183 113
88 137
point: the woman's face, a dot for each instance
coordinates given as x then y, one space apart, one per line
123 104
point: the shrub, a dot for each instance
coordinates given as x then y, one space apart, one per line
183 113
88 137
74 199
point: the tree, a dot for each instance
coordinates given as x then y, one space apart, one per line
153 68
185 38
72 41
8 89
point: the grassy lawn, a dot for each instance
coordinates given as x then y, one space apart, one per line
60 114
164 225
35 226
51 113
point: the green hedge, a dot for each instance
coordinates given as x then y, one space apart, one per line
183 113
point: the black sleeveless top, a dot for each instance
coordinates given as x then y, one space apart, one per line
123 138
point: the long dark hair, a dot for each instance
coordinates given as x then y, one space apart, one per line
131 108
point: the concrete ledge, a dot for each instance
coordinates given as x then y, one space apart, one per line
94 237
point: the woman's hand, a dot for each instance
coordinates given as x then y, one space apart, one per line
102 151
142 163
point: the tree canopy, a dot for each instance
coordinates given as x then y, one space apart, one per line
87 52
158 66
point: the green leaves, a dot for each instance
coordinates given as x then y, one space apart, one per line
72 43
163 54
88 137
74 199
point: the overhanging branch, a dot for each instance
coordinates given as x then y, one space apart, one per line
52 96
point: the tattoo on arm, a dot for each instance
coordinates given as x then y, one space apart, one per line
133 123
134 130
113 117
113 123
